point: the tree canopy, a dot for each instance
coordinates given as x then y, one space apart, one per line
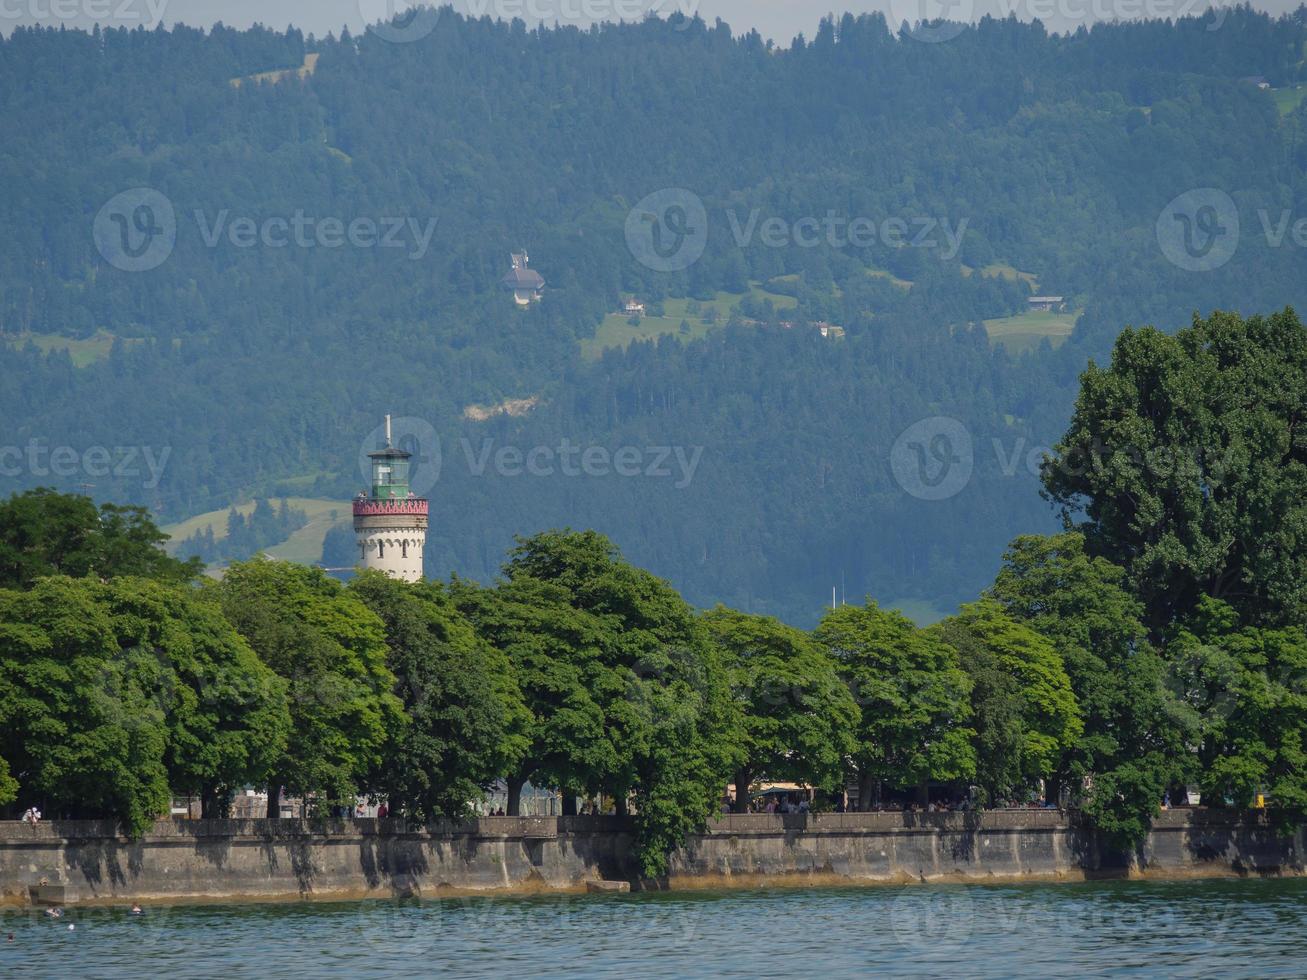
797 718
331 651
1187 459
466 716
913 698
1040 710
1133 745
43 532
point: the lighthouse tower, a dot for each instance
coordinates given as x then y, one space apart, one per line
391 523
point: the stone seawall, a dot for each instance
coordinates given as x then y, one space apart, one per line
996 845
87 861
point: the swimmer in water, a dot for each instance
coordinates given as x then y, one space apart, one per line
71 927
55 912
137 910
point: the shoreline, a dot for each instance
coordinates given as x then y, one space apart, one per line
282 861
719 884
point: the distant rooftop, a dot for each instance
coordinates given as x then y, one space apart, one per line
522 277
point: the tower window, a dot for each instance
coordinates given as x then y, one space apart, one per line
403 547
381 549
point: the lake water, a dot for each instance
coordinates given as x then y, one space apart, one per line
1187 929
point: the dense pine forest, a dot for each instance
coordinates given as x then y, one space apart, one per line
262 370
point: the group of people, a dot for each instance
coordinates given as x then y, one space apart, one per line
32 816
789 803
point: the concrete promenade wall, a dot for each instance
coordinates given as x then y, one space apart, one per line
86 861
996 845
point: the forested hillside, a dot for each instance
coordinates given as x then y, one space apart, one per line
261 365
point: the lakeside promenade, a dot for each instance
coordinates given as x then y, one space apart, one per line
68 862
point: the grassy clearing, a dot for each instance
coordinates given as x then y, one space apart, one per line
305 545
1025 331
303 71
617 331
1001 270
83 352
1288 99
904 284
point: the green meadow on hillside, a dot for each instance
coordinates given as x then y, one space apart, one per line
616 330
305 545
1024 331
83 351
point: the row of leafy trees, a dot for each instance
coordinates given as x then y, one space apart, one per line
580 671
576 670
1157 645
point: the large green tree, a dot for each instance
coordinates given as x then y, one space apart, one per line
43 532
648 639
82 705
554 651
797 717
1032 697
1247 687
912 695
1133 745
627 693
467 719
226 711
1188 458
8 785
331 650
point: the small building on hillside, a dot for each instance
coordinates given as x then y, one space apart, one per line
1257 80
632 307
1046 304
526 284
828 330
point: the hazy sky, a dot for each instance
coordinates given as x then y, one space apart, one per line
778 19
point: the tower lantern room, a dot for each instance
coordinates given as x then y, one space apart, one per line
390 471
390 520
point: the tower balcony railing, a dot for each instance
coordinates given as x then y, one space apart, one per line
408 506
